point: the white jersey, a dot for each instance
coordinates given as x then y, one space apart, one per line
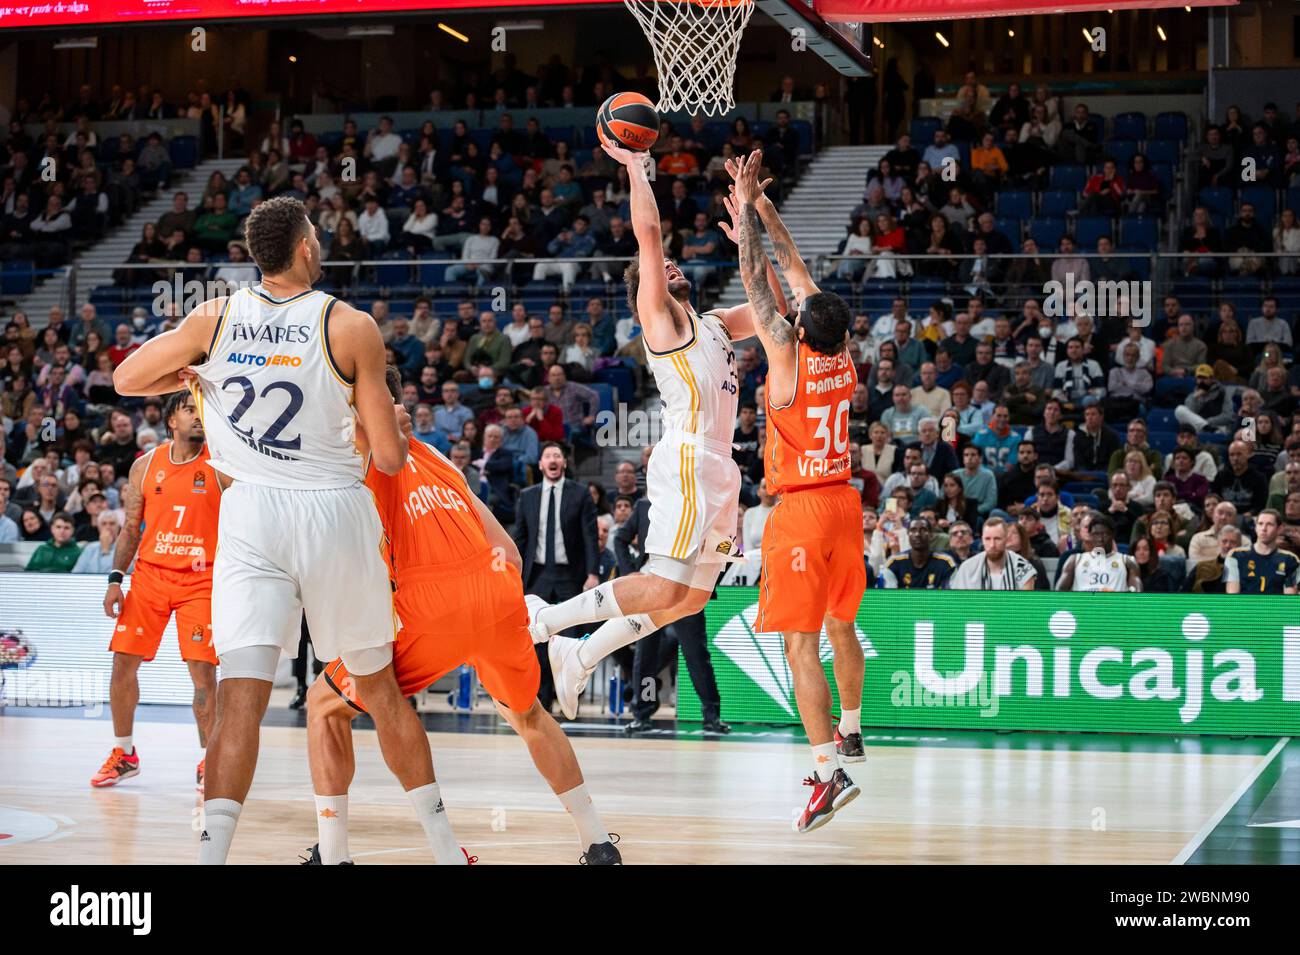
698 381
1097 572
276 409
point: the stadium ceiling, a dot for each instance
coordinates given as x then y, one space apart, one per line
891 11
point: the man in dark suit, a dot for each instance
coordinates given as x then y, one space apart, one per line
555 531
788 93
629 544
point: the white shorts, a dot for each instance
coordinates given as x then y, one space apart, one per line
694 490
282 552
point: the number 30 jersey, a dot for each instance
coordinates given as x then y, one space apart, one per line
276 409
808 439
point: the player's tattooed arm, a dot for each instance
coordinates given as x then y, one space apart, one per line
128 538
775 332
787 253
753 272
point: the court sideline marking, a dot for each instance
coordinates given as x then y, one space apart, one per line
1232 800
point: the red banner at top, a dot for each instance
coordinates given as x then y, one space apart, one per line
888 11
87 12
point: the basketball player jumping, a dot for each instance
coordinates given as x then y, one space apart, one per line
172 500
282 368
812 544
460 596
692 482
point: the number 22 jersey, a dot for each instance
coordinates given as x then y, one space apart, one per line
276 409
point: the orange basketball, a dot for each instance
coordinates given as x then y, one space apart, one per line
629 120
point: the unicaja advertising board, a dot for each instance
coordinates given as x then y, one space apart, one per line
1133 663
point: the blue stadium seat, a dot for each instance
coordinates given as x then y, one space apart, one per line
18 277
1087 500
1163 441
1264 199
1129 126
435 271
1140 264
1069 176
1047 232
1165 173
1194 292
1058 202
922 291
483 138
558 134
922 130
1088 229
963 150
1010 227
1098 124
1216 199
1170 392
618 377
1140 232
1163 150
605 393
1162 419
1171 125
1121 150
1293 199
184 151
1014 202
390 275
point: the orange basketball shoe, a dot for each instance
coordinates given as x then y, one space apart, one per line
117 767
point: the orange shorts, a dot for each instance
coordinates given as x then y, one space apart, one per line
454 616
156 593
812 560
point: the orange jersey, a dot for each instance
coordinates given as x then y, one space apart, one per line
181 504
428 512
808 439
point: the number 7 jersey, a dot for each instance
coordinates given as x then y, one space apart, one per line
808 439
276 409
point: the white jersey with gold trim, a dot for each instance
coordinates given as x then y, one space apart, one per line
1099 572
691 480
276 410
698 381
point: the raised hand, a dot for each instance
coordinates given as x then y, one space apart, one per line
628 157
744 166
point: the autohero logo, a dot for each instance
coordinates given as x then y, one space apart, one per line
76 908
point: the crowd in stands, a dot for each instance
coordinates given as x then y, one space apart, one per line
979 423
1024 175
1032 426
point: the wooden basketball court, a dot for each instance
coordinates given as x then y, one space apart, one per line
928 797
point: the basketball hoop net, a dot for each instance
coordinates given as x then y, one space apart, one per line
695 43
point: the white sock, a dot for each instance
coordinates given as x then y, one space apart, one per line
219 819
825 762
127 743
614 635
427 801
588 607
591 831
332 828
850 721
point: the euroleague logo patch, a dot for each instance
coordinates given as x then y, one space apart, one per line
197 633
